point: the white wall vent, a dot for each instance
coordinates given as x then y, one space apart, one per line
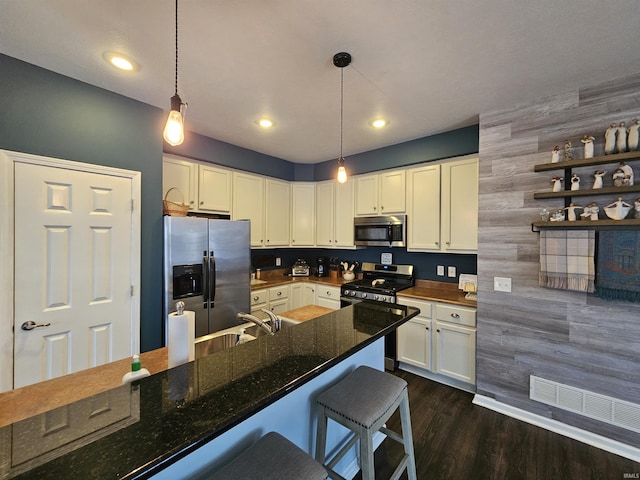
593 405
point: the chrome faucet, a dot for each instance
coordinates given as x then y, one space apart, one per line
276 322
256 320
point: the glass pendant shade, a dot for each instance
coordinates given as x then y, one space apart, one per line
174 129
342 172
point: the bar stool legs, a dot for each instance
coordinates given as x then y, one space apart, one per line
363 402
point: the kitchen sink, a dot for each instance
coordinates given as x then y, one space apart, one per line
216 342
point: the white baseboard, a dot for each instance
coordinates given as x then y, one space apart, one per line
593 439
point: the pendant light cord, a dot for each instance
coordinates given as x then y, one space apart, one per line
176 47
341 106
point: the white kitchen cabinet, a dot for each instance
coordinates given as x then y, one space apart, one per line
214 189
248 204
344 213
183 175
259 300
303 214
325 213
442 207
415 336
327 296
334 214
441 340
279 299
380 194
277 220
423 209
460 205
302 294
456 342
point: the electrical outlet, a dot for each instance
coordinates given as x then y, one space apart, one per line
502 284
451 272
440 270
278 261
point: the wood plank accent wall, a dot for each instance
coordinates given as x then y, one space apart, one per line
569 337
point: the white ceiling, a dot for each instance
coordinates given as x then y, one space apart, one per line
427 66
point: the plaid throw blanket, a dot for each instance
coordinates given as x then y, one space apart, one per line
567 259
618 275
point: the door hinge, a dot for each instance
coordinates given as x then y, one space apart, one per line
132 204
132 290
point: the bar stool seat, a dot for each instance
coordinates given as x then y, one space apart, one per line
273 457
363 402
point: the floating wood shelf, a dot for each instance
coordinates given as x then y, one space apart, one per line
588 192
590 224
586 162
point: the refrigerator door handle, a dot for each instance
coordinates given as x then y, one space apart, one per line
205 290
212 276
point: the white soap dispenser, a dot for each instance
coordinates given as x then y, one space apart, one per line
136 373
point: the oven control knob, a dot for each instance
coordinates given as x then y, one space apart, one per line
363 295
377 298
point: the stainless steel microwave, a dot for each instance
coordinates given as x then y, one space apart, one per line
382 231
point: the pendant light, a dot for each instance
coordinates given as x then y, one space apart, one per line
341 60
174 129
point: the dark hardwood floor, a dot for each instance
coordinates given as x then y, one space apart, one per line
454 439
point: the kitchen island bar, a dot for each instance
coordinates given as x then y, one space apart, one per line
185 421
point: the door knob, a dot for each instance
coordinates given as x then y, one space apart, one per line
30 325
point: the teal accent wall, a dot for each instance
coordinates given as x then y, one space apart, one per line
48 114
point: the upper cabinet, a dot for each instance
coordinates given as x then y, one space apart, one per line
443 207
381 193
180 174
334 214
205 188
303 214
277 219
248 204
214 189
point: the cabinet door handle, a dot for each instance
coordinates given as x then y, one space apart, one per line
255 299
455 315
437 243
279 293
328 293
191 202
438 330
448 242
202 203
374 208
381 207
427 328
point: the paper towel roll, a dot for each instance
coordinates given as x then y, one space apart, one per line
181 338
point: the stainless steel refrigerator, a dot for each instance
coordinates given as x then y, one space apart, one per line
207 265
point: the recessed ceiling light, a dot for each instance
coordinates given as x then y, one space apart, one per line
265 122
379 123
121 62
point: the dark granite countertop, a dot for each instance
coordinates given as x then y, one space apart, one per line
168 415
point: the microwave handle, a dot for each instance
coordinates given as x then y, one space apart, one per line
205 290
390 234
212 276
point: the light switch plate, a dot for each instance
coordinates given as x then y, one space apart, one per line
278 261
440 270
386 258
451 272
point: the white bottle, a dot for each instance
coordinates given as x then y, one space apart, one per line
136 372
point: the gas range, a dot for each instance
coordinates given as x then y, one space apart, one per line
380 283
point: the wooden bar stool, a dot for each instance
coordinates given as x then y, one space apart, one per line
363 402
273 457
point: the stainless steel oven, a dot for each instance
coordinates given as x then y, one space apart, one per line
379 283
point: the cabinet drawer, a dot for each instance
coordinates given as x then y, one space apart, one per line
259 296
425 307
457 315
332 293
276 293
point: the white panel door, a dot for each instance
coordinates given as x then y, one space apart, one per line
423 213
73 271
277 208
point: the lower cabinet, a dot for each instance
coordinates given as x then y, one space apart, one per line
279 299
302 294
327 296
441 341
